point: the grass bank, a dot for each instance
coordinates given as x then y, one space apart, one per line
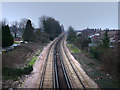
10 73
94 69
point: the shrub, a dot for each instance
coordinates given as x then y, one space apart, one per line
27 69
94 52
33 61
14 73
109 60
82 42
51 38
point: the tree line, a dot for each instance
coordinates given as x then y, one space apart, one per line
48 30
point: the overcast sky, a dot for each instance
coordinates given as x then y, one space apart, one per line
80 15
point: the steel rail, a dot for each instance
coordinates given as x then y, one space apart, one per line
44 68
64 69
55 71
73 66
57 49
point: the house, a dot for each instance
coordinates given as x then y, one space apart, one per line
78 32
114 35
95 39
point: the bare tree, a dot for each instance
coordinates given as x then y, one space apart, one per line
22 23
15 29
4 22
15 26
42 22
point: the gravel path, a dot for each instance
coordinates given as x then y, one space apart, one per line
33 80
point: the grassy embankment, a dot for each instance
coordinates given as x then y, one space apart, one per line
15 73
91 67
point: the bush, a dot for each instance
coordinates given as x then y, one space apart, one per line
51 38
82 42
14 73
109 60
108 57
44 40
73 48
27 69
97 52
33 61
94 52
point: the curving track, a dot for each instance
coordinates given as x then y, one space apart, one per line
59 71
61 79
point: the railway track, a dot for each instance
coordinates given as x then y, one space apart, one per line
59 71
61 80
46 78
85 82
74 72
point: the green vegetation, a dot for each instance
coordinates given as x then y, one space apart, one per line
73 48
71 34
38 53
79 41
7 39
82 42
108 57
31 63
51 37
96 52
50 26
28 34
105 81
100 51
106 40
14 73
